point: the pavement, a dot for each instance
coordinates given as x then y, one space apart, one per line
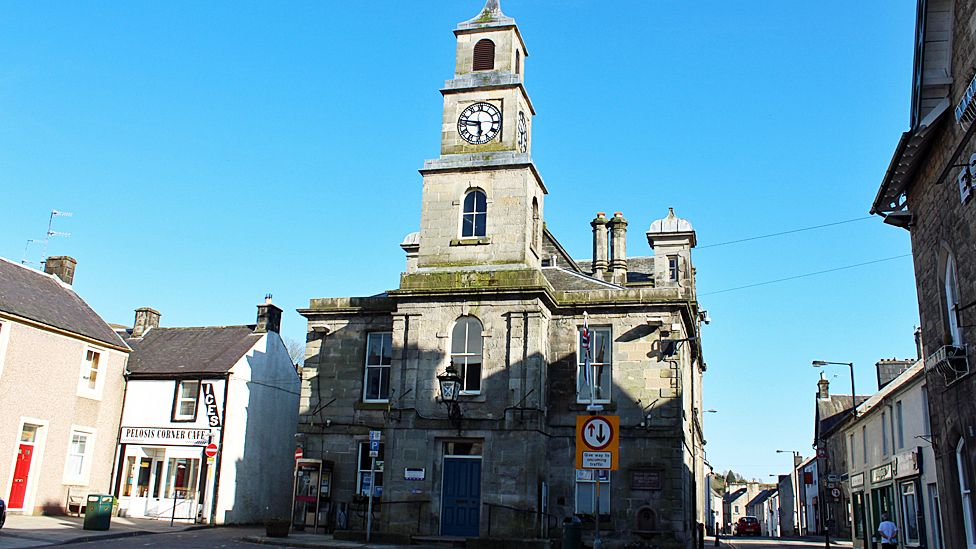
40 530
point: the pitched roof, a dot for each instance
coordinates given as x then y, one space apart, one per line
762 496
189 351
831 412
45 299
729 497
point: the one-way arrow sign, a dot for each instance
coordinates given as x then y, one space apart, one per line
597 435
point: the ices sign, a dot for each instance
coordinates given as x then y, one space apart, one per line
210 401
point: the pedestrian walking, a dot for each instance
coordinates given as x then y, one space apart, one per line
888 532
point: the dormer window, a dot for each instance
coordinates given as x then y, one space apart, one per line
475 215
484 55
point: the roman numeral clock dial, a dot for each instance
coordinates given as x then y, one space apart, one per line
480 123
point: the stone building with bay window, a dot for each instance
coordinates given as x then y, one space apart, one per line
489 292
928 190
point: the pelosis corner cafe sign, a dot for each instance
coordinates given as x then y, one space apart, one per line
165 436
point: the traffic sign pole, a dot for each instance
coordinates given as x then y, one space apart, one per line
374 440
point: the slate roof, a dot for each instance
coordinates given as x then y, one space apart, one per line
729 497
831 412
762 496
189 351
45 299
564 280
640 269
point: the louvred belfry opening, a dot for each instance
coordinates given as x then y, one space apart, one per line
484 55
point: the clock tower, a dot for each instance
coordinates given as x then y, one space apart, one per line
483 197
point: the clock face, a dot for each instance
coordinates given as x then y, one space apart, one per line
523 136
480 123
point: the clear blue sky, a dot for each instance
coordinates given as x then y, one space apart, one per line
213 152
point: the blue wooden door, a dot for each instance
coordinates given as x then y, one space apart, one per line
461 497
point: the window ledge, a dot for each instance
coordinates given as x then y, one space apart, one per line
471 241
581 406
371 406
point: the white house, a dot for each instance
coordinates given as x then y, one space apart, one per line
233 387
61 390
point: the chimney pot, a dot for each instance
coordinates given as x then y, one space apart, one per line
618 248
61 266
823 387
600 257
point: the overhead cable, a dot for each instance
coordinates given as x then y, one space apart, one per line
806 275
784 232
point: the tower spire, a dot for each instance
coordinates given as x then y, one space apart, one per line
489 16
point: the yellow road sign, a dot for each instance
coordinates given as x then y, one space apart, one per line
597 442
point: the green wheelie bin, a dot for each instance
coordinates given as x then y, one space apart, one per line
98 512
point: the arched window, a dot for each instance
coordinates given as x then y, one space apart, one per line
951 294
484 55
518 62
536 233
466 349
475 215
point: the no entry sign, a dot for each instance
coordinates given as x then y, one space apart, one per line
299 453
211 450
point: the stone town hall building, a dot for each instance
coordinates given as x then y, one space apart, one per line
489 290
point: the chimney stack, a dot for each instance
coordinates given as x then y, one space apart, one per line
618 248
62 267
269 317
823 389
599 245
146 319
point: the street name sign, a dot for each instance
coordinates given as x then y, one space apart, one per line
597 442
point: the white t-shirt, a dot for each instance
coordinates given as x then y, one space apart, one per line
888 531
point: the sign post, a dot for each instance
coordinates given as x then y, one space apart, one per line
597 449
374 452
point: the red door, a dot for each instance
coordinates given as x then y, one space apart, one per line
19 487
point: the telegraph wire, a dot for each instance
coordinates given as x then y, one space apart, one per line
784 232
835 269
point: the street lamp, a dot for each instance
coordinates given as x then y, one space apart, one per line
818 363
797 458
450 384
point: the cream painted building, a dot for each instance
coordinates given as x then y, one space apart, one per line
61 388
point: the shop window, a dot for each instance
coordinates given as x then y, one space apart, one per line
365 462
909 513
467 346
586 486
185 401
182 482
857 504
379 355
597 348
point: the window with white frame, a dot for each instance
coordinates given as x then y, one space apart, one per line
673 268
884 433
90 383
467 347
864 444
81 443
936 516
586 488
598 348
474 217
899 426
185 404
851 444
951 295
909 513
379 355
365 464
965 493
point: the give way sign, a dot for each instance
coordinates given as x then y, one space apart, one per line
597 442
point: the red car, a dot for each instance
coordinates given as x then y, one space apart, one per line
747 526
